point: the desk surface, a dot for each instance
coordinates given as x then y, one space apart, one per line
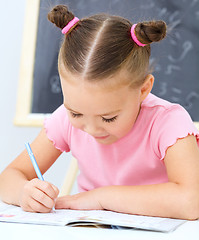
14 231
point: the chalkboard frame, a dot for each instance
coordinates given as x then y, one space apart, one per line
23 116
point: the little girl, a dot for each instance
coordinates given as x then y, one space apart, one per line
137 153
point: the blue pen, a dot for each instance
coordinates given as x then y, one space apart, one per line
34 163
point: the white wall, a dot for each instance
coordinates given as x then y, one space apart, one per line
12 138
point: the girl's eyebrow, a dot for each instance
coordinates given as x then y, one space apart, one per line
110 113
71 109
105 114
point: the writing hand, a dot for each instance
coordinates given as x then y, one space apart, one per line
38 196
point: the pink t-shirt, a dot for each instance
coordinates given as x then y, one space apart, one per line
136 159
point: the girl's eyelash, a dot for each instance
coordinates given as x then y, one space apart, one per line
75 115
108 120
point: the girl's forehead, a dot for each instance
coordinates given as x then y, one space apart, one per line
77 87
110 83
78 95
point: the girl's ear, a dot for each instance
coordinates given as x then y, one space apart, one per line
147 86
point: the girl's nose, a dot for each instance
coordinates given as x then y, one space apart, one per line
92 129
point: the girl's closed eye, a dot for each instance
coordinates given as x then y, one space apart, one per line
108 120
75 115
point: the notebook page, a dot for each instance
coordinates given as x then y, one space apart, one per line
9 213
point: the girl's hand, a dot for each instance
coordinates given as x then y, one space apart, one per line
81 201
38 196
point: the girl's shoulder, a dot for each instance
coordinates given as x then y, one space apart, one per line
167 122
153 101
157 108
162 110
162 113
57 128
59 115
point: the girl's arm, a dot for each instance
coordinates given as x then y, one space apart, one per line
19 184
179 198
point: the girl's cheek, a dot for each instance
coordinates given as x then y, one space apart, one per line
75 122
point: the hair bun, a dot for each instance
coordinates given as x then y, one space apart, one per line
153 31
60 16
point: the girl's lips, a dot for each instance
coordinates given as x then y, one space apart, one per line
103 137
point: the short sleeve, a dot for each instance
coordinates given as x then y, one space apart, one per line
57 128
170 125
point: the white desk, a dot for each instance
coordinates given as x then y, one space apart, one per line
14 231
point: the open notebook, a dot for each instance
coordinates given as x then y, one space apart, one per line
9 213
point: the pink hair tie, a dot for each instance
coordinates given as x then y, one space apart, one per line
135 38
70 25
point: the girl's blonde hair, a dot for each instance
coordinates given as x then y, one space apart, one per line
99 46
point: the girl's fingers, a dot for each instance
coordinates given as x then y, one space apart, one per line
35 206
31 205
46 187
55 189
80 201
63 202
39 196
42 198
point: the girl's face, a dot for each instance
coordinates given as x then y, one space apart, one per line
107 114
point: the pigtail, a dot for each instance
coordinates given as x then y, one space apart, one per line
148 32
60 16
